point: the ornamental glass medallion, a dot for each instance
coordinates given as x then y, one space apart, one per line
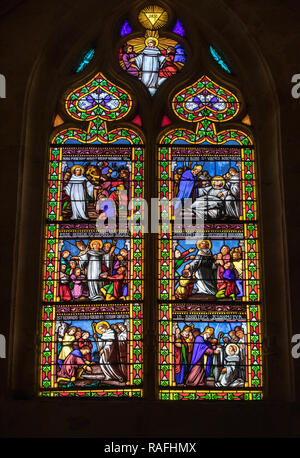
209 275
152 58
92 311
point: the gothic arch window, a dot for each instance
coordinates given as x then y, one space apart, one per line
166 129
209 309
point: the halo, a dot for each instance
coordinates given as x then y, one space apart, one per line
100 324
77 167
204 240
152 39
96 240
234 345
218 178
197 167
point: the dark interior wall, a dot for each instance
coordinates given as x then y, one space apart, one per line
27 31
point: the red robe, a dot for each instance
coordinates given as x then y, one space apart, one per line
118 284
85 343
115 196
220 281
229 277
169 68
177 354
73 362
64 292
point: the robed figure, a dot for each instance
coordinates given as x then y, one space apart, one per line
109 354
122 337
229 276
82 255
201 361
94 270
203 266
233 184
180 357
77 189
128 58
73 366
150 61
214 201
187 185
230 375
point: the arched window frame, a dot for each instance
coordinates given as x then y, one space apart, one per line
36 133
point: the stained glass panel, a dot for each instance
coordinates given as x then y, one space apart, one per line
219 59
152 58
92 309
179 29
209 314
85 60
125 29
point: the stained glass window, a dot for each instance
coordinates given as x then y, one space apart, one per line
92 295
208 283
209 274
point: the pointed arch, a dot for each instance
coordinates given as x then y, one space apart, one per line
254 78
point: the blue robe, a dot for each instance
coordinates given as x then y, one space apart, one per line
186 186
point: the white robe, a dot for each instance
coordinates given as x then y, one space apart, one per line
83 258
93 272
77 189
203 266
208 204
234 187
150 61
122 339
242 355
108 360
217 364
123 336
107 261
231 376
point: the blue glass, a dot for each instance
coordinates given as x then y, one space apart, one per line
179 29
219 59
126 29
180 54
86 59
